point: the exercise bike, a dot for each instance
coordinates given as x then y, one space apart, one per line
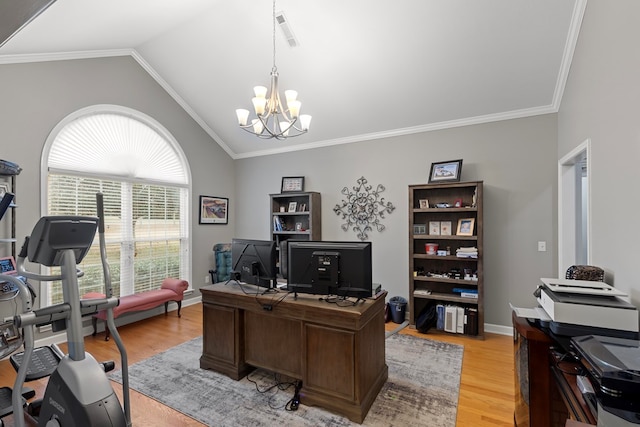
78 394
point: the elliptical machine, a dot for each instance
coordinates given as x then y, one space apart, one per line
78 393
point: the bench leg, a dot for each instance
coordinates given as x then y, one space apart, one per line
166 307
107 333
94 323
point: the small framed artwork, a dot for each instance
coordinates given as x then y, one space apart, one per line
214 210
299 226
445 228
424 204
465 226
434 228
448 171
291 184
458 203
419 228
292 206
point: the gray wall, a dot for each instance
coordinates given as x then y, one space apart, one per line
601 104
516 159
36 97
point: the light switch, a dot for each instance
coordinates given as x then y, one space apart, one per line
542 246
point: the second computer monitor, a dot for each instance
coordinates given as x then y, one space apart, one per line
254 261
330 268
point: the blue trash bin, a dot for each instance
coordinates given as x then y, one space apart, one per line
398 307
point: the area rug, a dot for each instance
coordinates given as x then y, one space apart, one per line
422 389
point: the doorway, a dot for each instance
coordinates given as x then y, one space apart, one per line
574 208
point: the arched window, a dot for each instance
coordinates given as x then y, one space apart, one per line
144 178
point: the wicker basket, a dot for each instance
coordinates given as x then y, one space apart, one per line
585 272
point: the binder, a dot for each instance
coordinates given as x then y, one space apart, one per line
471 324
460 320
450 318
440 317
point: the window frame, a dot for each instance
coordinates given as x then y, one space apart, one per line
185 195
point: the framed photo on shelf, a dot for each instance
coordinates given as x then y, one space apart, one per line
292 184
465 226
292 206
424 204
419 228
214 210
458 203
448 171
434 228
445 228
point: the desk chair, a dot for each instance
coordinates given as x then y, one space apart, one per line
585 272
222 258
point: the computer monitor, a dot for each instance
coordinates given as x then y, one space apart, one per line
330 268
254 261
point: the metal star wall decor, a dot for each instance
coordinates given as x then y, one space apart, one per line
363 208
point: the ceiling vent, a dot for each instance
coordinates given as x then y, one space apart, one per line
286 29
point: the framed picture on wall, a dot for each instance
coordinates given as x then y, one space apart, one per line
214 210
448 171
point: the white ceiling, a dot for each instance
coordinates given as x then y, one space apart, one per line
364 69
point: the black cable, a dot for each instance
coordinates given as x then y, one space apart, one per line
341 301
279 385
294 402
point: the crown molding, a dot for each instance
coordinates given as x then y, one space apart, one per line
63 56
490 118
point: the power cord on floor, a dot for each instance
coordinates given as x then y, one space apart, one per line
278 386
294 403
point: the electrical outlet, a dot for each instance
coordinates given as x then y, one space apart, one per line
542 246
206 279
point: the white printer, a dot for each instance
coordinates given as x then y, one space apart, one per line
579 307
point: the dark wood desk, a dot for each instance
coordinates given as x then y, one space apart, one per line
337 352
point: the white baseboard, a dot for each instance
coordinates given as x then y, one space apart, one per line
498 329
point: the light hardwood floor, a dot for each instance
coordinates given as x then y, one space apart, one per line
486 389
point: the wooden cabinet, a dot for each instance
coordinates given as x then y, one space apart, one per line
445 251
295 216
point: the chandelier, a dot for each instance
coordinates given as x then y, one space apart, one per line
273 121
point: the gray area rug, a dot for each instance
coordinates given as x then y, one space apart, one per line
422 389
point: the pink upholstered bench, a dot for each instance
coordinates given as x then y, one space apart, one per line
170 290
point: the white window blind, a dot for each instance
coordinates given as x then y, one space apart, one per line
146 232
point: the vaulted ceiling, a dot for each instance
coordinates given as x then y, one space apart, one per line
364 69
